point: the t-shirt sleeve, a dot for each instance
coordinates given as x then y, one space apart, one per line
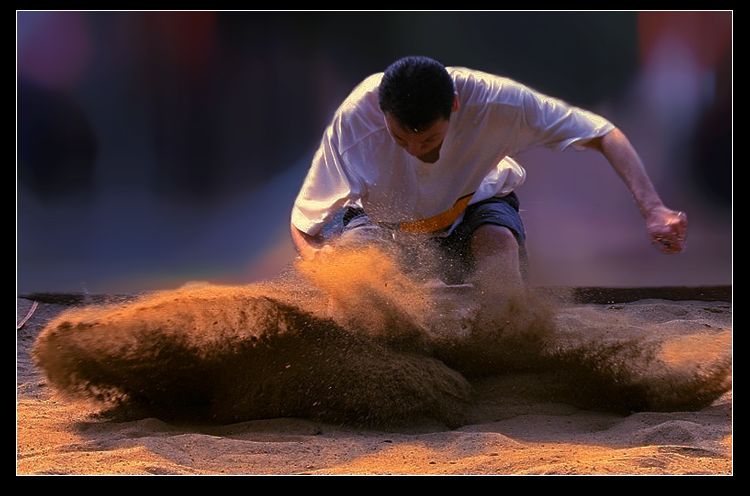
547 121
327 187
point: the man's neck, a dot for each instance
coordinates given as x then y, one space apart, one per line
432 156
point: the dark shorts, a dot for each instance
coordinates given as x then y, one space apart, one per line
500 211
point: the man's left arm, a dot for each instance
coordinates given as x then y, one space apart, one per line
666 227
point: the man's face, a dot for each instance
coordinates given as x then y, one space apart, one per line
425 145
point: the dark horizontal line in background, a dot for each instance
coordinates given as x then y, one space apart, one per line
77 298
579 295
676 293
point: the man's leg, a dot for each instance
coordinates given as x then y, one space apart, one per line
366 283
487 247
358 230
495 254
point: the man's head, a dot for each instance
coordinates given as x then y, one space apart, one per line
417 97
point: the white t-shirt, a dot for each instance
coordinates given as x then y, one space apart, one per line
359 163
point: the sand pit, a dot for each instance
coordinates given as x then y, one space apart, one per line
274 379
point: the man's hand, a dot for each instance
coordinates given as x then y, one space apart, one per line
667 229
318 253
309 247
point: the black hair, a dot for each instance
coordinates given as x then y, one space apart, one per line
416 91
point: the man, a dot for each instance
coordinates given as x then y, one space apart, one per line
424 150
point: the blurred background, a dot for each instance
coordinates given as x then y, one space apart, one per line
155 149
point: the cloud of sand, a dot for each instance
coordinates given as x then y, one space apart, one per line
367 291
352 338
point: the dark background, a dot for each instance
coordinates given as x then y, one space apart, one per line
159 148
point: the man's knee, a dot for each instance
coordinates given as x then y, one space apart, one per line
494 237
368 234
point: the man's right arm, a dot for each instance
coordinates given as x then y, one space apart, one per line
327 188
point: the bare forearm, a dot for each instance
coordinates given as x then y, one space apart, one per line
667 228
616 147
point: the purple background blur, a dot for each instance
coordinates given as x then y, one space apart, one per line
160 148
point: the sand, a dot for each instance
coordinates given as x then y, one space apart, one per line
511 425
356 364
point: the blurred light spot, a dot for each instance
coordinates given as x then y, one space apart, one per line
54 48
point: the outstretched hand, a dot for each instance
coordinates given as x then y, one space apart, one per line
667 229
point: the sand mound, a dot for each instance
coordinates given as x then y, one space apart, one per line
628 376
231 354
670 432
